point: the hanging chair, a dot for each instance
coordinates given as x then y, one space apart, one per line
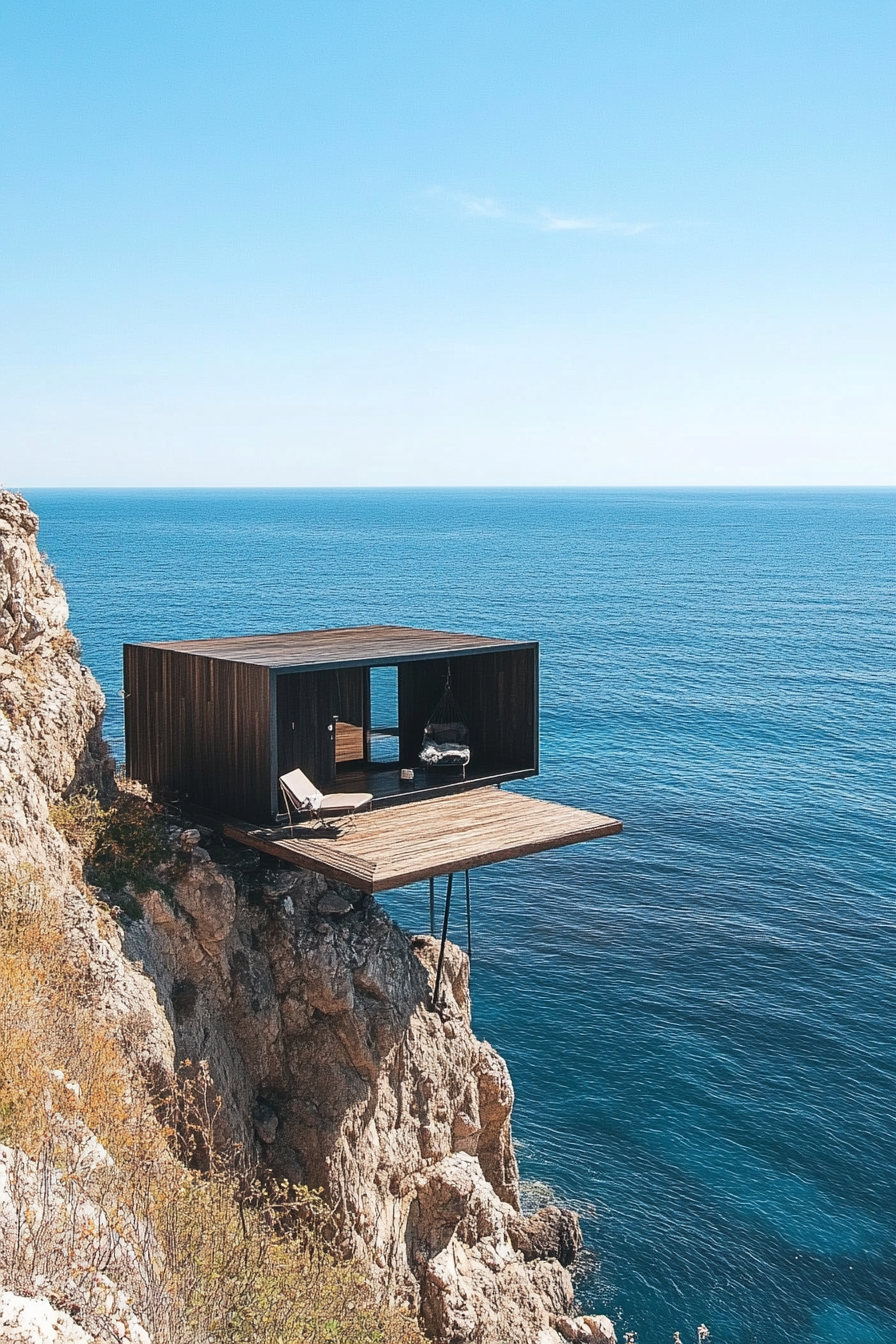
446 737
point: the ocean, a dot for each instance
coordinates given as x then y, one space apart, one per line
698 1014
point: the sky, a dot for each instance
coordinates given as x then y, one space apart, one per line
375 242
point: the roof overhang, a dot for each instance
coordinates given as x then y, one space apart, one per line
350 646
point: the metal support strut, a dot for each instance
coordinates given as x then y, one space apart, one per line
432 907
435 993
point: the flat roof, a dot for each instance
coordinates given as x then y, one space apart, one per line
394 846
359 645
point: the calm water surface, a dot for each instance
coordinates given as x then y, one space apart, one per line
698 1014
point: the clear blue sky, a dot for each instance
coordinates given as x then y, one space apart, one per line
369 242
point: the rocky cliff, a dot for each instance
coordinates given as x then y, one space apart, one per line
308 1004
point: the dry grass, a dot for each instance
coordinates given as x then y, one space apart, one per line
121 842
22 688
201 1256
78 819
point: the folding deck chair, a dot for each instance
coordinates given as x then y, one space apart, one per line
300 793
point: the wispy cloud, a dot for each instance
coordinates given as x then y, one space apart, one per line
464 203
620 228
545 221
483 206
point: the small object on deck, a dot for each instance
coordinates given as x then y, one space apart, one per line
407 776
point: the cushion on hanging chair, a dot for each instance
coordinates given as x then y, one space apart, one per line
445 744
447 732
443 753
446 737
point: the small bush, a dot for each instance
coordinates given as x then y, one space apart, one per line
122 842
78 819
129 845
67 642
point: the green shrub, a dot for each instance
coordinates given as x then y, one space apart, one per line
122 842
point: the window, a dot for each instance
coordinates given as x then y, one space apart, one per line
384 715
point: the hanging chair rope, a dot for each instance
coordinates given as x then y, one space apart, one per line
446 738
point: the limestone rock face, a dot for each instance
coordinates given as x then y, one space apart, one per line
312 1010
51 743
32 1320
52 1235
309 1005
51 715
51 711
51 707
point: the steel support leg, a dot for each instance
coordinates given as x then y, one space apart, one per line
435 993
432 907
469 918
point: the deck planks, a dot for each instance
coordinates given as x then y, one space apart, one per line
394 846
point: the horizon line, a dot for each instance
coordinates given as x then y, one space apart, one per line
504 489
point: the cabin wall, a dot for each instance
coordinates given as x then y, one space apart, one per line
498 694
307 703
501 690
420 685
200 728
353 700
217 733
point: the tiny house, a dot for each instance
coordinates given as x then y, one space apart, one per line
216 722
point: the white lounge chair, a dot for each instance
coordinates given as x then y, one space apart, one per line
300 793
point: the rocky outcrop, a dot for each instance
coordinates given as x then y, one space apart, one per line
309 1006
51 744
549 1234
34 1320
51 707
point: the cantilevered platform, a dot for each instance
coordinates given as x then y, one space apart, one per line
394 846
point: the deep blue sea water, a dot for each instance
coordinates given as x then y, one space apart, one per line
698 1014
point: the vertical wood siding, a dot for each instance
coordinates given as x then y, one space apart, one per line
200 728
307 703
420 686
498 694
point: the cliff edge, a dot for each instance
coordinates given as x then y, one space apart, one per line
306 1003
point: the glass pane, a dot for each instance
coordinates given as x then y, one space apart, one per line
384 714
383 747
384 697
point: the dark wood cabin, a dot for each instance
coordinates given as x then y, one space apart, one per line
216 721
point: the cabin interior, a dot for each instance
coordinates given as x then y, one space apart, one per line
356 729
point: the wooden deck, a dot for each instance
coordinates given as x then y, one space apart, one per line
394 846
